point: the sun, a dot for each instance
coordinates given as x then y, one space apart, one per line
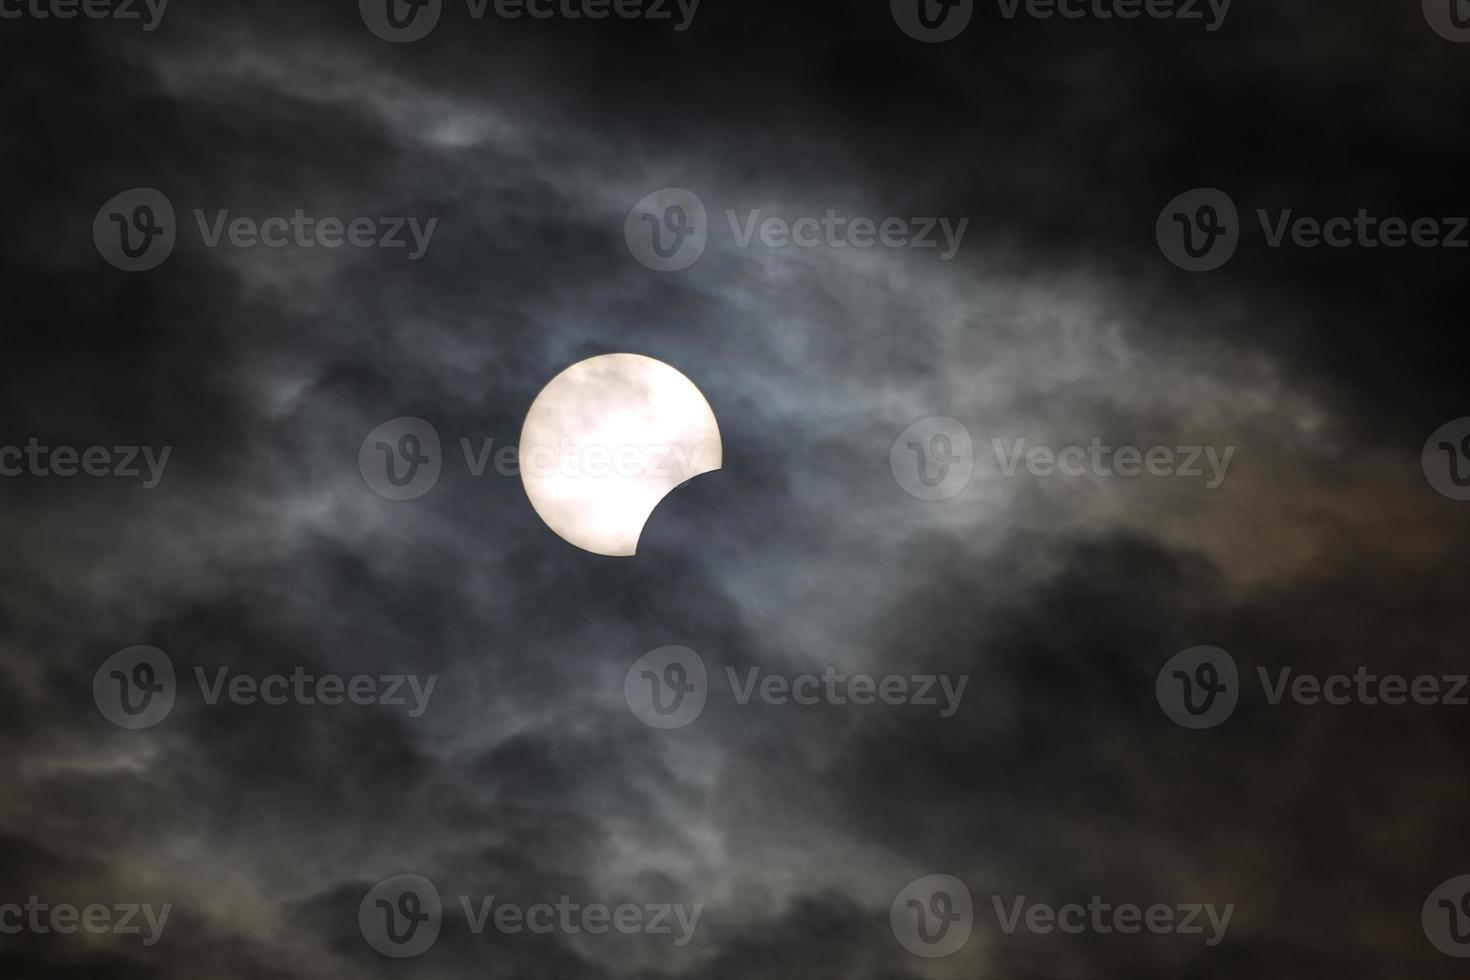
606 440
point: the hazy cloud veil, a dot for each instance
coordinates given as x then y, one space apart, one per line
1051 319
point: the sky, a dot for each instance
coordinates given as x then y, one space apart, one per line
921 483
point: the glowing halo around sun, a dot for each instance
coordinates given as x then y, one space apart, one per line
606 440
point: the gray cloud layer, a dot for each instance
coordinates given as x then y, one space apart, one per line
529 778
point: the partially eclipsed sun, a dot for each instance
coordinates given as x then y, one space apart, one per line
606 440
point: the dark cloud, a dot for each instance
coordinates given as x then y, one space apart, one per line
262 549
